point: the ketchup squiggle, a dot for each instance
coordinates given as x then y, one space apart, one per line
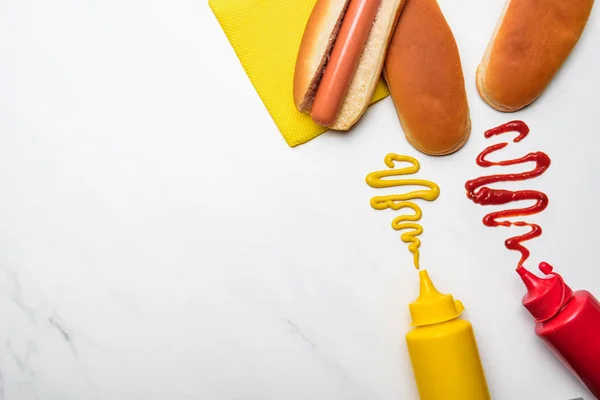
479 193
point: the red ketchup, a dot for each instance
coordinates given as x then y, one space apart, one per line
568 322
480 193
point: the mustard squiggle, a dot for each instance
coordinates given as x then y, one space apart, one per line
399 201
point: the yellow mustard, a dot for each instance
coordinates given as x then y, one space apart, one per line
399 201
442 348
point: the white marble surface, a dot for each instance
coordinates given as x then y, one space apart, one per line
158 239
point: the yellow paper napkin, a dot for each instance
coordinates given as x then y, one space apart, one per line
266 36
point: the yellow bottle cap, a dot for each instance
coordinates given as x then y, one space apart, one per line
433 307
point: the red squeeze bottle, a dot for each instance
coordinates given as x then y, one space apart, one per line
568 322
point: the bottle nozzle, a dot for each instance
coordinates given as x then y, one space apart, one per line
531 281
545 296
432 307
427 289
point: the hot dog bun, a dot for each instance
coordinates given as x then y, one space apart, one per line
317 44
425 77
532 40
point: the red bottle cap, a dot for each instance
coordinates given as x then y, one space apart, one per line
545 296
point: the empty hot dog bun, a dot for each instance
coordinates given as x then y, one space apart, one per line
532 40
425 77
343 47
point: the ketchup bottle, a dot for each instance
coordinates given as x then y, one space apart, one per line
568 322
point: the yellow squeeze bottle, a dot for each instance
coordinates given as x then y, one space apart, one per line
442 348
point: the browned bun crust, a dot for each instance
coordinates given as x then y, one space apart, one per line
532 40
425 77
317 43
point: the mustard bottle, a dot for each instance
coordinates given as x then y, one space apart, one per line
442 348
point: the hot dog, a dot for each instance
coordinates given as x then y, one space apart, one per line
531 42
341 57
344 59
